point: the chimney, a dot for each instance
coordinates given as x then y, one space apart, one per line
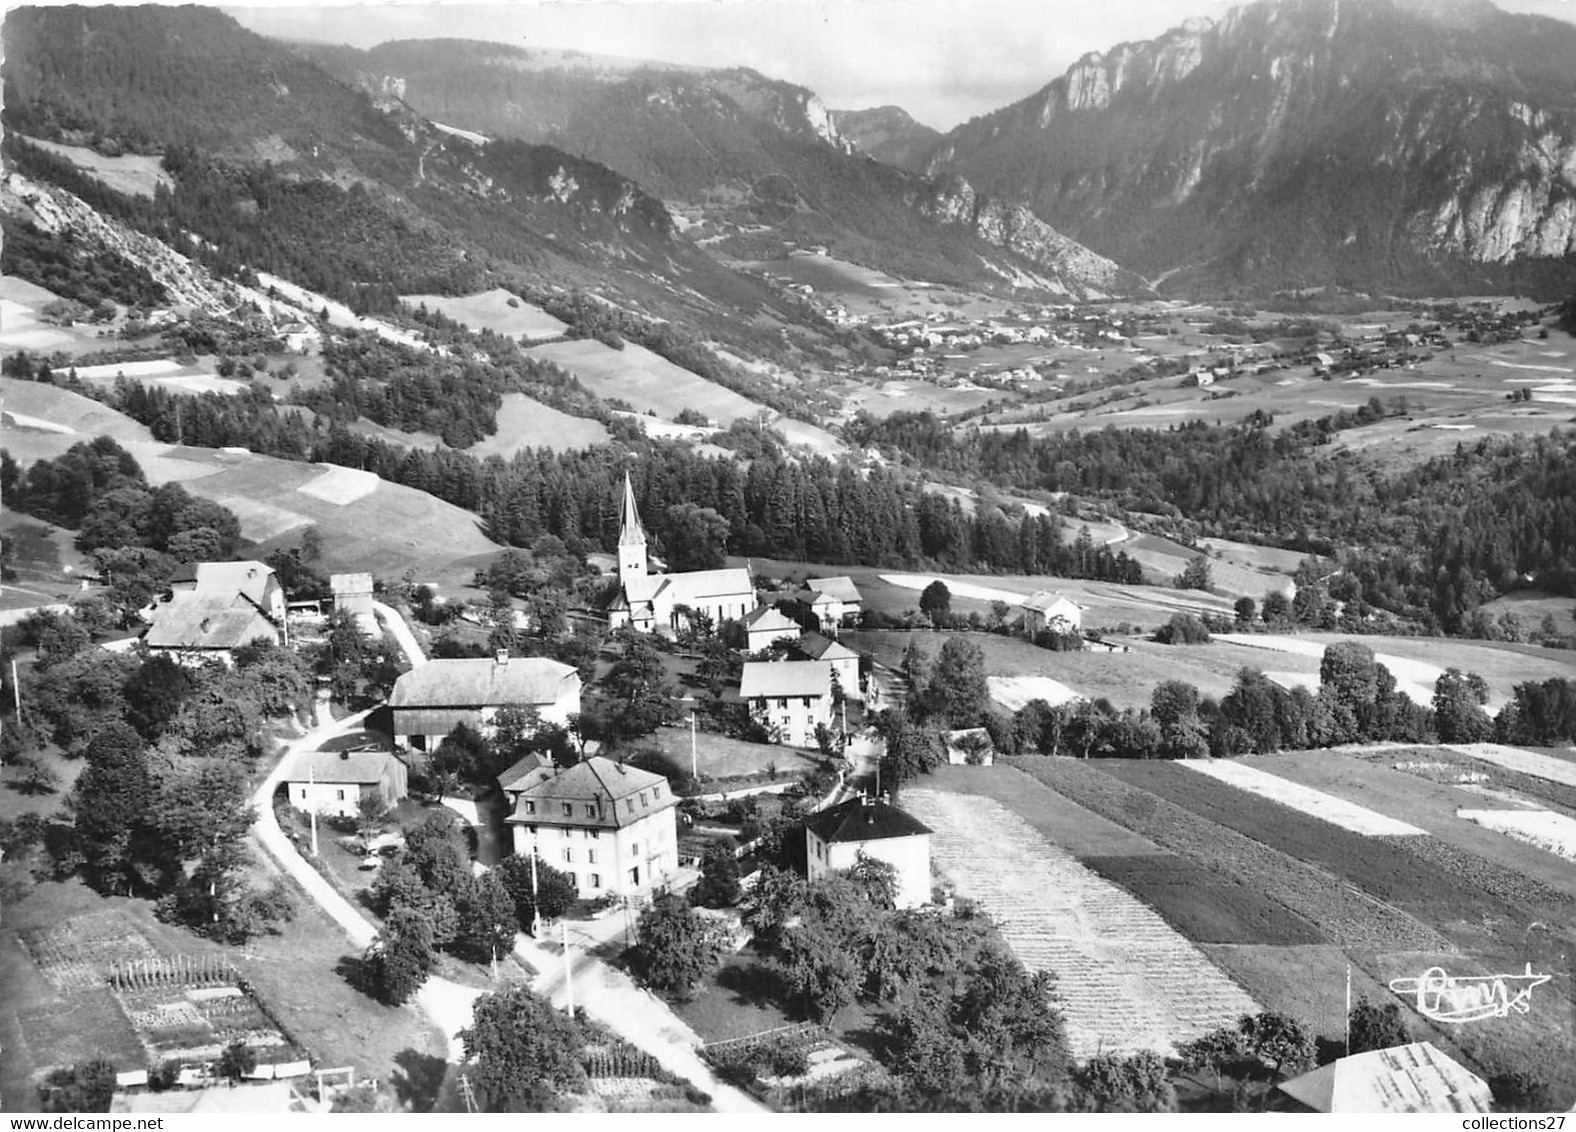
501 656
344 756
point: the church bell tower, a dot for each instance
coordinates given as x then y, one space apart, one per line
631 537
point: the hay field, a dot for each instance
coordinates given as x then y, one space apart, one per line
1013 692
1562 771
1126 981
165 373
645 380
1551 832
133 174
21 328
497 310
526 423
40 422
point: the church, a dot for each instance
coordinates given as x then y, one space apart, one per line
655 603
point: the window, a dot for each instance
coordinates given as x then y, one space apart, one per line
569 809
530 807
629 804
634 848
634 875
569 856
645 802
591 856
596 880
594 834
590 809
341 794
783 702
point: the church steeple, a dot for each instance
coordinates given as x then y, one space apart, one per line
631 536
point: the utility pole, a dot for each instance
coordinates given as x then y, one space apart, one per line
311 781
694 757
1348 1010
536 901
16 692
569 971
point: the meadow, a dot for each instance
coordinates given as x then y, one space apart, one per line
496 310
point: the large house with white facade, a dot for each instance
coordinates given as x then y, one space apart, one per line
789 697
836 837
430 701
655 603
612 827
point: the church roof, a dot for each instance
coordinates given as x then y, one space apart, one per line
630 532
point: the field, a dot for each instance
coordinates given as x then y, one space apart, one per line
1290 905
526 423
651 382
1163 560
133 174
42 421
1562 771
1315 803
1544 829
21 328
45 561
1126 980
164 373
496 310
720 757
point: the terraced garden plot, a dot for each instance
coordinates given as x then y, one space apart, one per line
1366 864
1205 907
77 953
1554 833
1125 980
1304 799
1346 915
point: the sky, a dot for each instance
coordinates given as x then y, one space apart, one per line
944 61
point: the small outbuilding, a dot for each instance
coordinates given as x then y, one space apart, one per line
339 783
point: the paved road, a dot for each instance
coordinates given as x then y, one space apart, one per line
447 1004
395 624
638 1016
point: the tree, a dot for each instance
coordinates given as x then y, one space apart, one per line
719 878
1279 1042
1137 1083
640 685
957 692
237 1060
818 969
1174 705
1183 629
675 948
1245 609
876 878
1376 1027
524 1052
555 891
694 537
111 800
1521 1091
487 919
1196 575
915 667
935 602
401 956
1218 1052
1458 707
85 1087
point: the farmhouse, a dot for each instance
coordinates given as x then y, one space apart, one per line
338 783
1049 610
833 602
657 602
789 697
837 837
1409 1078
610 826
214 608
765 626
430 701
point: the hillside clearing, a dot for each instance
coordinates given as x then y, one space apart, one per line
496 310
134 174
1013 692
524 422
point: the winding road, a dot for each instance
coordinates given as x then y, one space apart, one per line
604 992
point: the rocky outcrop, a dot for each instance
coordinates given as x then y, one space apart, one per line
1387 142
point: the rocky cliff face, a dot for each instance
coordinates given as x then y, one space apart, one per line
1388 142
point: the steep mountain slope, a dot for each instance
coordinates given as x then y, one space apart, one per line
888 134
359 198
756 161
1429 143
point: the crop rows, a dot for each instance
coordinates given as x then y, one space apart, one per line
1125 980
1490 876
1347 916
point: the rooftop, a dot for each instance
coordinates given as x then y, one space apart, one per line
595 779
483 681
204 619
360 767
864 819
1044 600
1409 1078
350 584
817 647
769 619
841 588
786 678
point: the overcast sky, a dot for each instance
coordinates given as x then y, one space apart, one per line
943 61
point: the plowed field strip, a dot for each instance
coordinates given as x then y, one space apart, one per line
1125 980
1346 915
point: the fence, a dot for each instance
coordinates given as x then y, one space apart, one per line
173 971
